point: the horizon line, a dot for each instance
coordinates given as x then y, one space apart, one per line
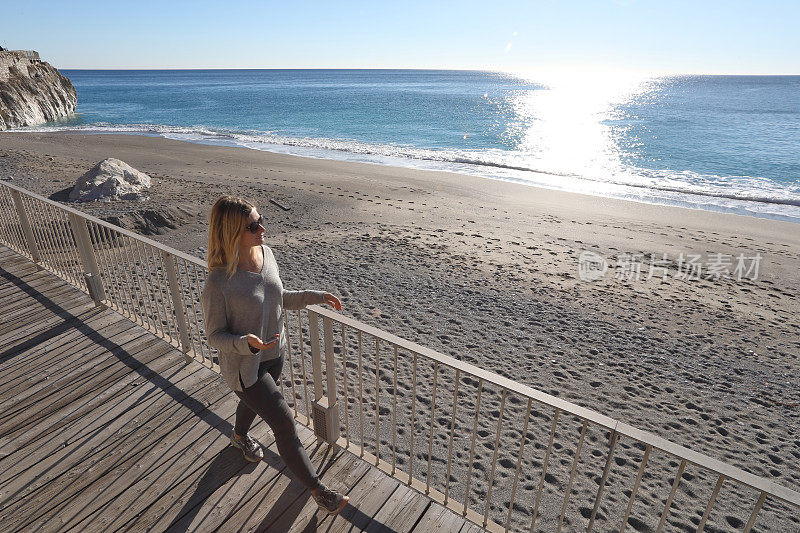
500 71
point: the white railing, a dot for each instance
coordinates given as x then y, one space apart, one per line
504 455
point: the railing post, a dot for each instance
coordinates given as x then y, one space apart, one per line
86 252
325 409
316 359
612 442
330 362
30 241
175 294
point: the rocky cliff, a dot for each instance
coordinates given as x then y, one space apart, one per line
32 91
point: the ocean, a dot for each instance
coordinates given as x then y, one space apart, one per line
721 143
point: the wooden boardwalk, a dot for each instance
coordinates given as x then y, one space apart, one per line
103 427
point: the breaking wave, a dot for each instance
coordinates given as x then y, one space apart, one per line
739 194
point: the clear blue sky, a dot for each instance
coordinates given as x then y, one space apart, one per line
700 36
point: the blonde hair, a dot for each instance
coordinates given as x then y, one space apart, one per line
225 227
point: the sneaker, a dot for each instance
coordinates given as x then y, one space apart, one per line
330 500
249 446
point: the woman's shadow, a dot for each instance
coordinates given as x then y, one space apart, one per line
229 463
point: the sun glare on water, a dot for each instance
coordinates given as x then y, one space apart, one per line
566 126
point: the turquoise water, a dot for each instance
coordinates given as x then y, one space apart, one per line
725 143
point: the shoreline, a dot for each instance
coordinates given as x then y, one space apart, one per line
668 196
448 187
489 275
411 169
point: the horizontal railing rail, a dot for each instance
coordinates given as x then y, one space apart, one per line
502 454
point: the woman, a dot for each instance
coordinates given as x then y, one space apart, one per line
242 301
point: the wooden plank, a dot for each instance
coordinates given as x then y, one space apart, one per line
34 312
16 267
116 421
11 293
439 518
48 502
17 264
24 310
272 497
211 502
7 252
90 324
27 312
42 318
18 336
22 303
366 500
34 278
46 351
194 448
51 295
35 350
80 380
469 527
275 202
40 283
401 511
42 393
155 456
51 358
52 324
342 477
294 504
227 479
45 490
40 386
13 261
60 420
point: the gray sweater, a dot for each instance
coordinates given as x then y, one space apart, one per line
248 303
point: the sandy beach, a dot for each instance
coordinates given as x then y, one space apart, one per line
488 272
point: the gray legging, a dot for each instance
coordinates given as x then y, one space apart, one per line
264 398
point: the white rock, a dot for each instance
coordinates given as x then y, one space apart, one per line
32 92
111 179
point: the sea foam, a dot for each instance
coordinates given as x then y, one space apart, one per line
736 194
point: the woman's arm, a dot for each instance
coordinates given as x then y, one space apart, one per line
216 323
300 299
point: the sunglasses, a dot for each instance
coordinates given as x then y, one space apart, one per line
253 226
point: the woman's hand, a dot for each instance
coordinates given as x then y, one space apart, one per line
257 343
333 301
